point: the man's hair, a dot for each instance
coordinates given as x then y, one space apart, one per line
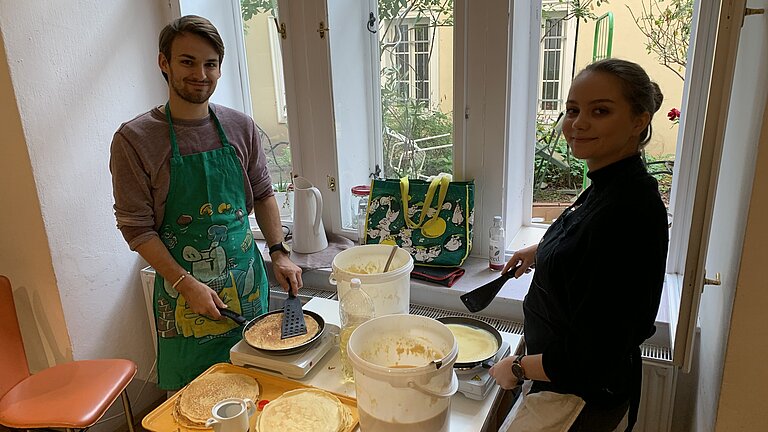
192 24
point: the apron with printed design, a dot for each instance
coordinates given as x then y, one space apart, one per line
206 230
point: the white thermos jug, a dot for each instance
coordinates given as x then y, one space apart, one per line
308 231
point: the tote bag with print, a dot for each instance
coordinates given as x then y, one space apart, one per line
432 220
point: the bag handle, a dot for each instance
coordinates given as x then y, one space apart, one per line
442 182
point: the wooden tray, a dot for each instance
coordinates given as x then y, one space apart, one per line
271 386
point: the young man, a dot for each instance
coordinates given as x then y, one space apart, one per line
185 177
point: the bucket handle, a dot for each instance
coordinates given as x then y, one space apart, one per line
452 388
332 278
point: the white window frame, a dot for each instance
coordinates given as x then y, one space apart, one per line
277 70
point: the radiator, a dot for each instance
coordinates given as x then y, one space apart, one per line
659 384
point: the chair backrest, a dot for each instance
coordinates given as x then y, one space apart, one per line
13 360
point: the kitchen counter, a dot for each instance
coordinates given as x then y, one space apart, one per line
466 415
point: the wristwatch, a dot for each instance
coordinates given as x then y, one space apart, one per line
517 368
282 247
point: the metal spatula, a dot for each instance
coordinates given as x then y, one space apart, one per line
479 298
293 317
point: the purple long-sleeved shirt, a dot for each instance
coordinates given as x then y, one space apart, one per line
140 164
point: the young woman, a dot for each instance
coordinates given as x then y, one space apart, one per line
600 266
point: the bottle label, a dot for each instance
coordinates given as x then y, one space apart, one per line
496 256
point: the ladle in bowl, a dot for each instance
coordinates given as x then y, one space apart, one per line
389 260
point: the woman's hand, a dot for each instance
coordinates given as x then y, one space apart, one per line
502 373
526 257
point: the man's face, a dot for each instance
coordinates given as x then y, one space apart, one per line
193 69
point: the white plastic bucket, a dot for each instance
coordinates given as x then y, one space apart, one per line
390 291
391 397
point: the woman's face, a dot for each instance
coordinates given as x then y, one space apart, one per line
599 125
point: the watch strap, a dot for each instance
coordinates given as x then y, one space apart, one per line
517 367
277 247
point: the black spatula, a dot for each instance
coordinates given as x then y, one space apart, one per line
293 317
479 298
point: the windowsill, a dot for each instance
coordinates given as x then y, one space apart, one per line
508 304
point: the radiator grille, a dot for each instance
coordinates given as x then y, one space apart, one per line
648 351
655 352
277 291
499 324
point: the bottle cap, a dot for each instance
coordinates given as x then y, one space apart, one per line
355 283
497 218
361 190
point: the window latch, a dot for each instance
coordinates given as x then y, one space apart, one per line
715 281
322 29
280 29
372 23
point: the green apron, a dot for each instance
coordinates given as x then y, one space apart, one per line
206 230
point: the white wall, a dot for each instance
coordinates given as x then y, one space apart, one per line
719 339
77 74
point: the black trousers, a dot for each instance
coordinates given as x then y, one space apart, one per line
599 419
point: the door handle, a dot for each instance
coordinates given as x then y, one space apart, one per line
715 281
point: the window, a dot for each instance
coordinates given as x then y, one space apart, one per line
557 176
416 108
411 60
337 133
552 65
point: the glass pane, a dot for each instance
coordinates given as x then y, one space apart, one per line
422 67
557 174
265 71
403 68
550 65
417 116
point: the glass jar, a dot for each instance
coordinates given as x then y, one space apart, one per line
359 210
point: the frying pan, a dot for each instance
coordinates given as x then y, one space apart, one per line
486 363
281 351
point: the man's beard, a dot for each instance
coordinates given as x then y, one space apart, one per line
191 96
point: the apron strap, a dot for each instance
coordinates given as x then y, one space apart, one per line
174 143
636 387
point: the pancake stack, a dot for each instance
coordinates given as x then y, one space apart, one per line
304 410
194 404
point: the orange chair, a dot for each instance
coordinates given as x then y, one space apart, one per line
72 395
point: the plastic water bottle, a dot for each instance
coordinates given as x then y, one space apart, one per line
355 308
496 245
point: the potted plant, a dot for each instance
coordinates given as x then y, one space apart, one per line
284 196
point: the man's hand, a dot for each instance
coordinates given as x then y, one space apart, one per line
286 272
200 297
